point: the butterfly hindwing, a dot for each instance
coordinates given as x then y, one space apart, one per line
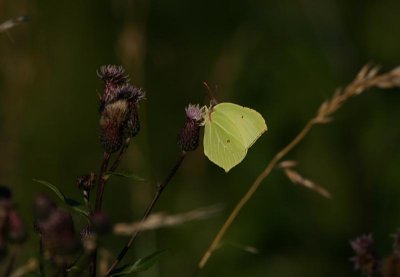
248 122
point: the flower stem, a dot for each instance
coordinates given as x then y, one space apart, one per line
159 190
101 181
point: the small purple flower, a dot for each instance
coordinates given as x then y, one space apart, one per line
364 259
189 136
194 112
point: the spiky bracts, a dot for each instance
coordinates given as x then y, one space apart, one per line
119 118
189 136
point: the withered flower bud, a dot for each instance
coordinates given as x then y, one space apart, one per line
113 77
58 233
112 121
132 95
189 136
100 223
16 229
365 259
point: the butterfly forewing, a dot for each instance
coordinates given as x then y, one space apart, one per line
249 125
222 144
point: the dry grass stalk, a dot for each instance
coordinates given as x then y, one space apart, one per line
12 23
297 179
367 78
160 220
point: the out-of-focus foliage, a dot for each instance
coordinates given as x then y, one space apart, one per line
281 58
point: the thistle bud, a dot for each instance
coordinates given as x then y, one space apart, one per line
112 121
188 138
59 237
132 95
365 259
113 77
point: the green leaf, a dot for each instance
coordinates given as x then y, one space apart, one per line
126 174
140 265
75 205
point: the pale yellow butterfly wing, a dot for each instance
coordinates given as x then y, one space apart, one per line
221 146
249 124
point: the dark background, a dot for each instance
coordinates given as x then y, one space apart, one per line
282 58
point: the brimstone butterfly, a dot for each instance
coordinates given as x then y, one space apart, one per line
230 130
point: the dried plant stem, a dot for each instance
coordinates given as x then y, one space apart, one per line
251 192
98 204
368 77
160 189
101 181
118 159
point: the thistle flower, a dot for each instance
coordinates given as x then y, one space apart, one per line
189 136
364 259
113 77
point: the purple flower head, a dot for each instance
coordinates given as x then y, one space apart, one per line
194 112
189 136
364 259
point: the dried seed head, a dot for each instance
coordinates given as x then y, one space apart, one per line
130 93
113 77
189 136
133 95
364 259
112 123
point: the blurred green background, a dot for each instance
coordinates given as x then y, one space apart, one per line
282 58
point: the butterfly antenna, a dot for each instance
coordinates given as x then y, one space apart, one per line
213 100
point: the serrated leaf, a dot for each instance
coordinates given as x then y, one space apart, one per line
140 265
74 204
126 174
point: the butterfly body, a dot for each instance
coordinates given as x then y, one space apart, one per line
230 130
